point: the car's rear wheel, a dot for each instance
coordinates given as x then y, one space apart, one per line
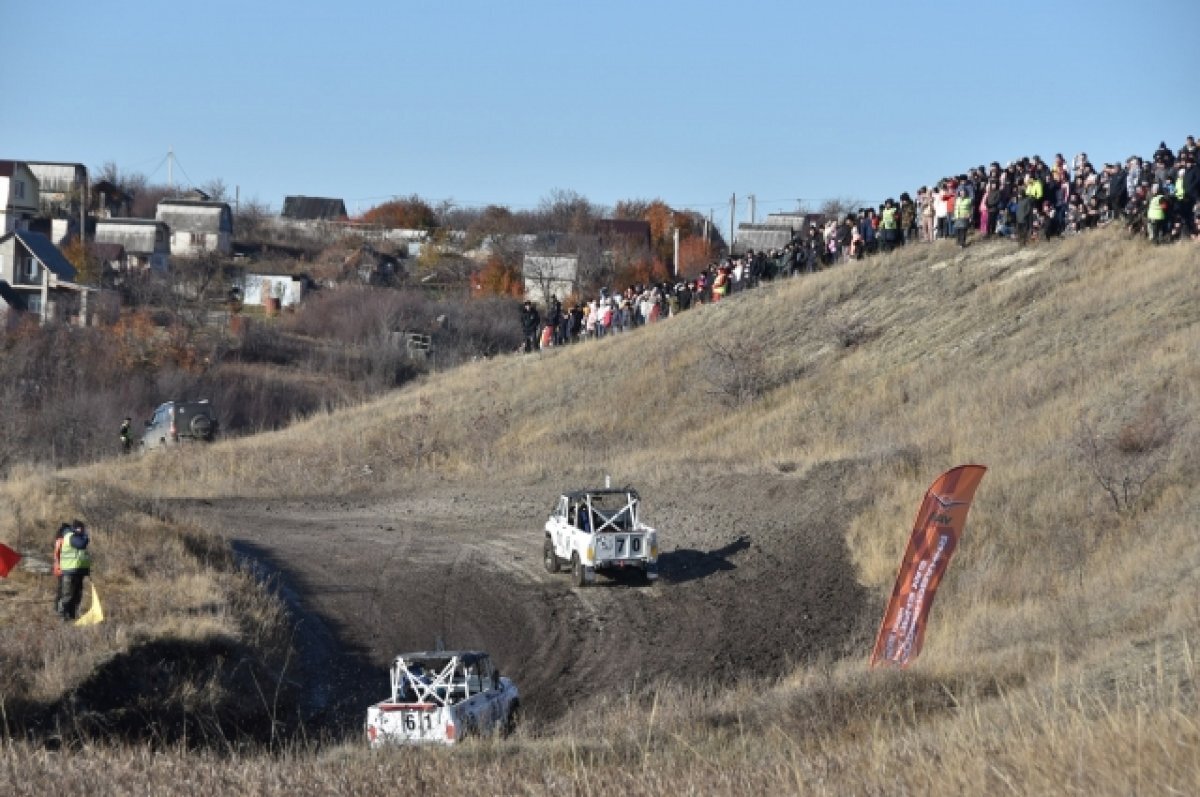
513 719
550 558
201 426
578 576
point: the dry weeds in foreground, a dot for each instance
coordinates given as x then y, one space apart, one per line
1061 660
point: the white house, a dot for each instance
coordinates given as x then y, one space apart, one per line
18 196
256 288
146 242
549 275
61 188
38 279
197 227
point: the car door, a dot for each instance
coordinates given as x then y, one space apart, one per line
559 525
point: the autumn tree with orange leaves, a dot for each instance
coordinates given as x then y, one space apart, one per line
88 268
411 213
500 276
664 221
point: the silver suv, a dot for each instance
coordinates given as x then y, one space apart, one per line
177 421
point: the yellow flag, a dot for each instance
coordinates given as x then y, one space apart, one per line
95 612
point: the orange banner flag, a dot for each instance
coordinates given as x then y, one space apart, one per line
935 535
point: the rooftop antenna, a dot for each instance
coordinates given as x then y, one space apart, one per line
171 168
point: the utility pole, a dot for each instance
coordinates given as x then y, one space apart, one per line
752 199
676 274
83 203
171 169
732 214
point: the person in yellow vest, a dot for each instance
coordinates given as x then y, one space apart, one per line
1033 189
74 562
1156 215
962 216
889 225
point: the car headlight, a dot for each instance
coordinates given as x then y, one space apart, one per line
591 553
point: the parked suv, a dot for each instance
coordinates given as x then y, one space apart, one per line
177 421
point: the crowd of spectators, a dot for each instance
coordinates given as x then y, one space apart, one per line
1026 200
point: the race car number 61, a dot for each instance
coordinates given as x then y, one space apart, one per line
410 721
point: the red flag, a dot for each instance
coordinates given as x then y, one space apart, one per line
935 535
8 560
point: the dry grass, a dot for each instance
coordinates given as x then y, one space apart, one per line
1060 659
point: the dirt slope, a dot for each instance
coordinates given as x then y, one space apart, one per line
755 576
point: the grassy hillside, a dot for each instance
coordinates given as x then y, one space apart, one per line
1060 655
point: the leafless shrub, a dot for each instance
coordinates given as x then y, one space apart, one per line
737 371
1125 451
849 329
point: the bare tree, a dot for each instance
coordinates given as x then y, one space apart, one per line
567 211
837 207
252 220
216 189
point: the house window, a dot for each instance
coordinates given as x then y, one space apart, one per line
19 189
33 303
197 239
31 269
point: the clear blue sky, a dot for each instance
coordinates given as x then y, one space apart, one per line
503 102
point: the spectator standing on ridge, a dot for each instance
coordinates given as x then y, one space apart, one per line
925 208
63 530
962 216
75 563
1024 216
1156 216
889 225
530 321
126 435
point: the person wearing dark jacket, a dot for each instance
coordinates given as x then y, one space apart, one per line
995 199
1116 191
1024 218
531 322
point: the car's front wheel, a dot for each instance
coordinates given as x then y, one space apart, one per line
578 575
550 558
513 719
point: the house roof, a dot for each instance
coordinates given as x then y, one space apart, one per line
193 203
762 236
130 221
191 215
137 236
8 167
108 251
45 252
11 297
626 228
309 208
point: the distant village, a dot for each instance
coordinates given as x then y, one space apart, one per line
69 243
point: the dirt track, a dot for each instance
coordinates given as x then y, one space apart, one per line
754 576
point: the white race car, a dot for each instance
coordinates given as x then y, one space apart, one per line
443 697
600 530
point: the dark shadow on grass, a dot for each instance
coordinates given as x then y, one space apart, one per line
689 564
